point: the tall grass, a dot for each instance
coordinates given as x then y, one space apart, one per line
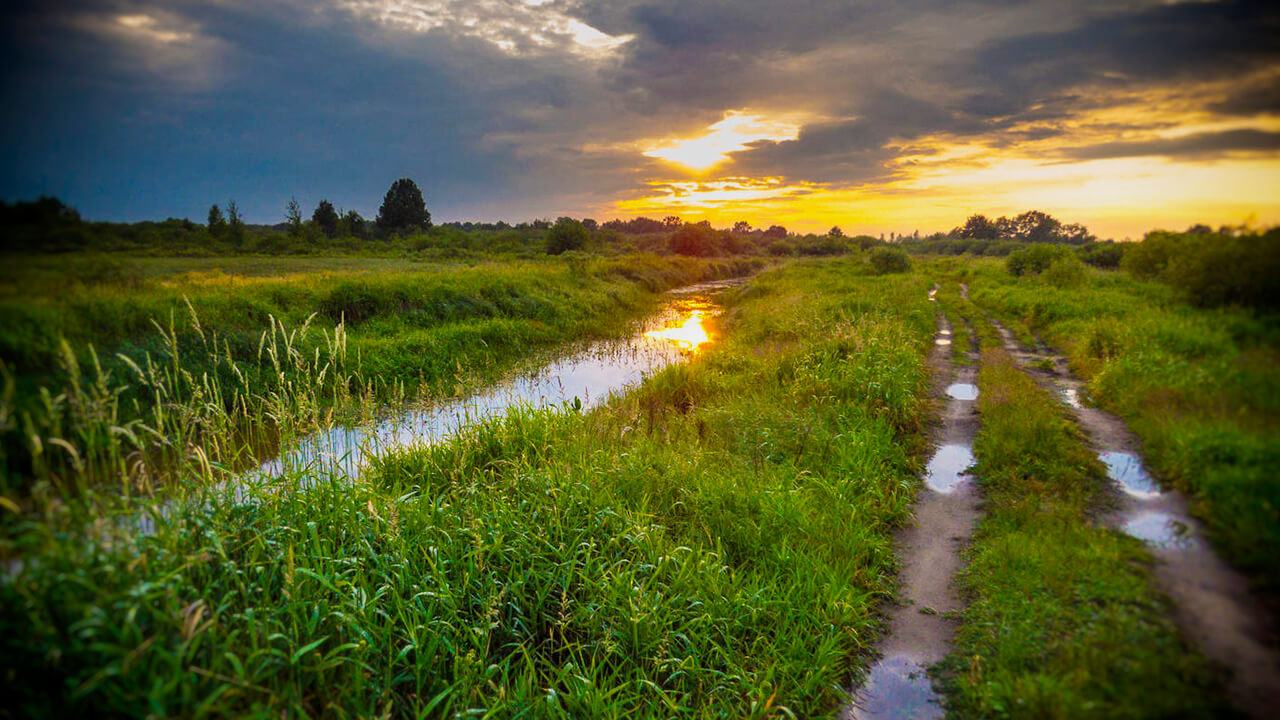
100 392
712 544
1201 388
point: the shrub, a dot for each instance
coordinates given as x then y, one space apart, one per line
886 260
1065 272
1034 259
567 234
1102 255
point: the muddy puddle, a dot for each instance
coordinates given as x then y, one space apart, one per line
962 391
1159 529
948 467
897 688
1126 470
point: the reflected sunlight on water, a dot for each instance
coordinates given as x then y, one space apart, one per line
689 335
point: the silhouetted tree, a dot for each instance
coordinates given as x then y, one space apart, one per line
697 240
326 218
671 222
217 223
775 231
835 232
355 225
977 226
235 223
590 224
742 227
293 216
403 208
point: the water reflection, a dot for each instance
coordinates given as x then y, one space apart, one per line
947 467
581 379
963 391
688 335
1160 529
942 341
896 688
1126 469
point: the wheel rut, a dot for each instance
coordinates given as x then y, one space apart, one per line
921 624
1213 603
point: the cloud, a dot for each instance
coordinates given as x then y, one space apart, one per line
1195 145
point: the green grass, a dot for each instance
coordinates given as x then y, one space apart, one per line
1062 620
712 544
1201 388
108 370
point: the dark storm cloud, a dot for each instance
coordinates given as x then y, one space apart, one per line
144 108
1197 145
1160 44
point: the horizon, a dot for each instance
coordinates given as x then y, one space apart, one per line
1123 117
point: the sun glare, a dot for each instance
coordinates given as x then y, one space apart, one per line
732 134
689 335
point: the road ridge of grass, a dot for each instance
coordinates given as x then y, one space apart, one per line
1212 602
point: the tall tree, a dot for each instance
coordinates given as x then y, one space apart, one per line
235 223
293 216
355 224
403 208
835 232
217 223
326 218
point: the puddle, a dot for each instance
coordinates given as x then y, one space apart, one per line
584 378
896 688
947 467
933 295
942 341
1070 396
1126 469
963 391
1160 530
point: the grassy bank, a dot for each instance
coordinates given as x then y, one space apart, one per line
1062 620
1200 387
141 368
712 544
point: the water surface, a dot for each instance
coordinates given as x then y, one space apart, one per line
896 688
1159 530
585 376
947 467
1127 470
963 391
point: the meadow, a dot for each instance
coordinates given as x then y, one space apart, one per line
719 541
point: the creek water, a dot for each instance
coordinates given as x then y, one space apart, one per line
583 375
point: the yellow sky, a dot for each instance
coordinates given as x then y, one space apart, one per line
939 185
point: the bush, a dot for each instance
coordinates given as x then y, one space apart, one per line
567 234
886 260
1065 272
1102 255
1034 259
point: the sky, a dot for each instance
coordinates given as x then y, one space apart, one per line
874 116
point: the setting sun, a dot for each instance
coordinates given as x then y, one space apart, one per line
734 133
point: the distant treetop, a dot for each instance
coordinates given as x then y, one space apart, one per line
403 208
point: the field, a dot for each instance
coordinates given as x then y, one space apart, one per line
723 539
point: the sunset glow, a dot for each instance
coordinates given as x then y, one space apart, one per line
688 335
734 133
